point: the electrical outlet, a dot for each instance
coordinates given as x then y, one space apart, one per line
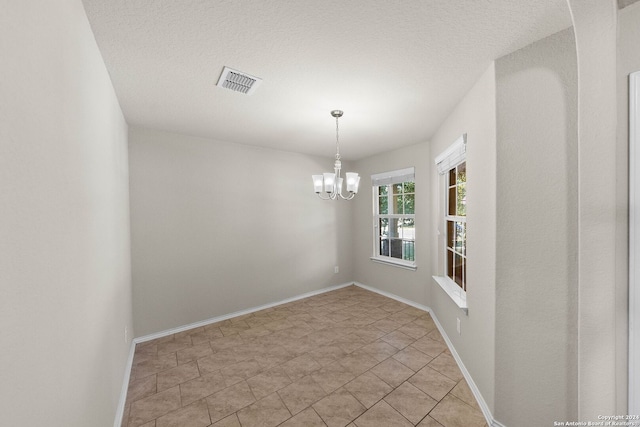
336 269
458 325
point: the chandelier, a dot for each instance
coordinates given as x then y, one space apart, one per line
331 183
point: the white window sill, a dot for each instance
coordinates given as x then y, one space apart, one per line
454 291
395 262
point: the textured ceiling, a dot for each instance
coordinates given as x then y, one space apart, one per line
624 3
396 67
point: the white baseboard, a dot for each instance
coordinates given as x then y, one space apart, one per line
125 385
236 314
467 376
395 297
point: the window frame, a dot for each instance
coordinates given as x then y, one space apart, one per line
391 179
450 159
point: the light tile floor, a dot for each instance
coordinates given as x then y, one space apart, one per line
348 357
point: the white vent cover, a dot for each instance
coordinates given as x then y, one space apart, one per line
238 81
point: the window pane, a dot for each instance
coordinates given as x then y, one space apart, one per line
450 264
384 247
382 190
408 250
396 248
450 233
460 237
464 275
409 187
397 188
383 202
409 204
395 227
461 200
452 201
452 177
384 227
464 238
458 269
398 201
383 205
462 174
408 229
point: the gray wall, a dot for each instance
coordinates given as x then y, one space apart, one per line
595 27
65 283
475 115
220 227
536 269
399 281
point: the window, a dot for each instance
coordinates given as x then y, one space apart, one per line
456 225
394 198
452 167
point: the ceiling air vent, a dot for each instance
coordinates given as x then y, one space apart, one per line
238 81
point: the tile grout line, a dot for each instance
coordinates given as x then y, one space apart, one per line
490 420
340 322
217 319
118 421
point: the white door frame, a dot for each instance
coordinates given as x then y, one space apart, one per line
634 243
